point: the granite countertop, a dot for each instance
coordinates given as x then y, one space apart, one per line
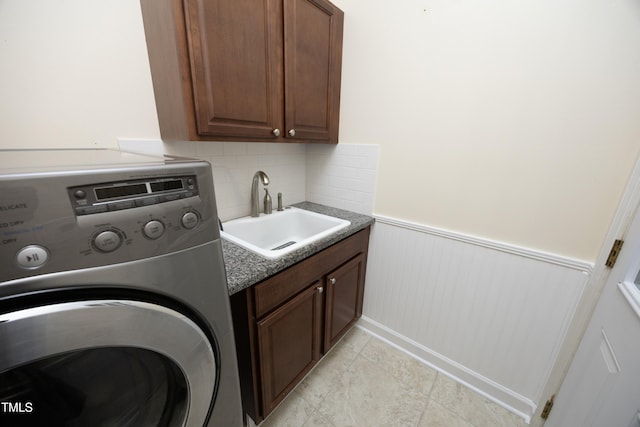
245 268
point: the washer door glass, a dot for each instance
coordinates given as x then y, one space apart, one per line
104 363
115 386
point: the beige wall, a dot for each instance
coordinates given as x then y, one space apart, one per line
515 121
74 73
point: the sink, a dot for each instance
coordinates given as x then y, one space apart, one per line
280 233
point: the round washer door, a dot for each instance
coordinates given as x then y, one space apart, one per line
104 362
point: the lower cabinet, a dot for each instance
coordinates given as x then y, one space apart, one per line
344 299
286 323
289 344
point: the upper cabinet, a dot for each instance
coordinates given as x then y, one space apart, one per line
245 70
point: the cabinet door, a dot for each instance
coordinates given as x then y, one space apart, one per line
289 342
344 288
313 62
235 53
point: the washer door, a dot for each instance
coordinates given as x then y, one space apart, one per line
104 363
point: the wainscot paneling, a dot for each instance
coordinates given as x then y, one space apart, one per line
489 314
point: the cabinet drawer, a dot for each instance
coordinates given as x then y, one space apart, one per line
277 289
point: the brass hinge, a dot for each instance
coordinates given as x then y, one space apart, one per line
547 408
613 255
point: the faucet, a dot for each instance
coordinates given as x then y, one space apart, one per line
254 191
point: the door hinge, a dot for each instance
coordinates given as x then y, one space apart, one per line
613 255
547 408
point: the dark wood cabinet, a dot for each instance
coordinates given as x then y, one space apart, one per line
289 343
236 56
313 63
286 323
246 70
344 289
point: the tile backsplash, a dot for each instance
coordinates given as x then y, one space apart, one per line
341 176
235 163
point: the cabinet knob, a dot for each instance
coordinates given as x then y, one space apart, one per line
320 289
276 132
292 132
332 280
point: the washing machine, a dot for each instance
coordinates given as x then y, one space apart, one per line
114 308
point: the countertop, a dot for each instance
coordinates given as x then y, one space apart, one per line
244 268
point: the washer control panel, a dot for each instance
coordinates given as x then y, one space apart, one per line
109 238
129 194
54 221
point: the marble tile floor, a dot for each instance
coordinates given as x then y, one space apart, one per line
366 382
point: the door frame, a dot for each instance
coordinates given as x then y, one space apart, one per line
629 204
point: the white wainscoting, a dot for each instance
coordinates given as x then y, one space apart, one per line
489 314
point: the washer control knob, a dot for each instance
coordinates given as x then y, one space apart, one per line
153 229
107 241
32 257
190 220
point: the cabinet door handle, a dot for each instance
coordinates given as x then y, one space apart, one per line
276 132
332 280
292 132
320 289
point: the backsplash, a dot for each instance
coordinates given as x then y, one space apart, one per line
341 176
235 163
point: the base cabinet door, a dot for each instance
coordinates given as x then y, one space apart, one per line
289 344
344 286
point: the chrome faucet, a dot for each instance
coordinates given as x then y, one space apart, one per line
254 191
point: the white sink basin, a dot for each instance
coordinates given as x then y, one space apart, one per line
280 233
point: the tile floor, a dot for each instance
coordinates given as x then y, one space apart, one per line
365 382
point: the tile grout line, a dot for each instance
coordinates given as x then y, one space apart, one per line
428 399
316 407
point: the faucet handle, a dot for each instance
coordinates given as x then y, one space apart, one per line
280 208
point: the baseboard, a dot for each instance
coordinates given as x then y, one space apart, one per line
502 396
